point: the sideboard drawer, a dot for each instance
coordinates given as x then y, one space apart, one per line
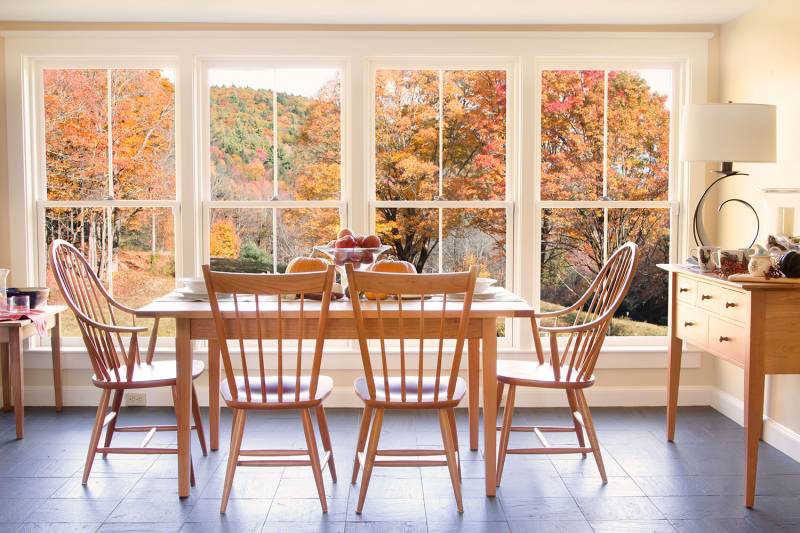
709 296
733 305
692 324
687 289
727 340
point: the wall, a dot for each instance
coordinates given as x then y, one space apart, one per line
5 252
617 370
760 63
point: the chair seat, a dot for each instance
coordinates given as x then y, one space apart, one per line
156 374
290 398
534 374
428 399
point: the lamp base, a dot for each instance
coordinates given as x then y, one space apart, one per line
700 235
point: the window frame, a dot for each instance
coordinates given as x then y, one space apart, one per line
511 67
203 124
676 186
39 164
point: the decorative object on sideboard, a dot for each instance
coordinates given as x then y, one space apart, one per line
760 262
37 295
726 133
789 264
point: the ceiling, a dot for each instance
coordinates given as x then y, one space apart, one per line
380 11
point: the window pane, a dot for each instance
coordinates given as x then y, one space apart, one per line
644 310
474 135
241 114
76 134
241 240
572 135
143 265
299 230
638 134
406 134
143 134
309 132
475 237
413 235
572 254
85 229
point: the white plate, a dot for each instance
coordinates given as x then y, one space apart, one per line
488 294
184 292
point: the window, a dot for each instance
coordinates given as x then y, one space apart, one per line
109 178
274 164
440 168
605 180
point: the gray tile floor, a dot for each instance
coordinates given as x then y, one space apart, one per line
693 485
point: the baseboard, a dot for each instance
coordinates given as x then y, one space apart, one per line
343 396
775 434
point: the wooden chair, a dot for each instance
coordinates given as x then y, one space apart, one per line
571 367
117 367
442 390
284 390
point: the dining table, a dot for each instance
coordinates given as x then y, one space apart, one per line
194 322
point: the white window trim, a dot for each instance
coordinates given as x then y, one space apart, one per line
530 49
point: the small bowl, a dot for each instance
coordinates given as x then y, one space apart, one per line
38 295
482 284
196 285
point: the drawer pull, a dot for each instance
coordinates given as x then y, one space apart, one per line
687 324
683 289
724 339
705 296
730 304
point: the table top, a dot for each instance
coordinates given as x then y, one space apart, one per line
714 278
173 306
50 309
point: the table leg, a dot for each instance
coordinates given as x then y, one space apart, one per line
753 421
673 380
183 395
6 378
213 392
17 378
474 389
489 366
55 348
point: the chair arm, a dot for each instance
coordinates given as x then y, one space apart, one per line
113 328
574 329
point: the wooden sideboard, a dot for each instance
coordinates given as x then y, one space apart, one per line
755 326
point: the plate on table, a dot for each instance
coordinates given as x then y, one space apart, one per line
489 294
188 294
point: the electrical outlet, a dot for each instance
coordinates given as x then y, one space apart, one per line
135 399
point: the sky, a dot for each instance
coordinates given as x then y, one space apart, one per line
300 81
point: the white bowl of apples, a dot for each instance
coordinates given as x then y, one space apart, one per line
359 250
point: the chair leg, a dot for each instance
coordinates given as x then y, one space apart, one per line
96 432
198 421
500 388
116 404
590 431
369 460
322 421
313 454
451 416
573 407
505 432
450 452
363 431
237 431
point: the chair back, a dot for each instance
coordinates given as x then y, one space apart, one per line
593 313
395 287
94 309
291 321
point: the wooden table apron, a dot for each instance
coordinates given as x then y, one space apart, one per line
194 322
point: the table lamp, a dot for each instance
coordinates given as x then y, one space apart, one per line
726 133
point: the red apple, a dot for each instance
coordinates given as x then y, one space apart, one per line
359 241
346 242
340 258
344 232
367 258
371 241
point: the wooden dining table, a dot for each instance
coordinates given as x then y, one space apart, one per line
194 322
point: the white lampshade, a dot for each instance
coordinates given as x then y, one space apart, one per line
728 132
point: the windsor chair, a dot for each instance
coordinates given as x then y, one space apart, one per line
441 390
285 389
117 367
571 367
